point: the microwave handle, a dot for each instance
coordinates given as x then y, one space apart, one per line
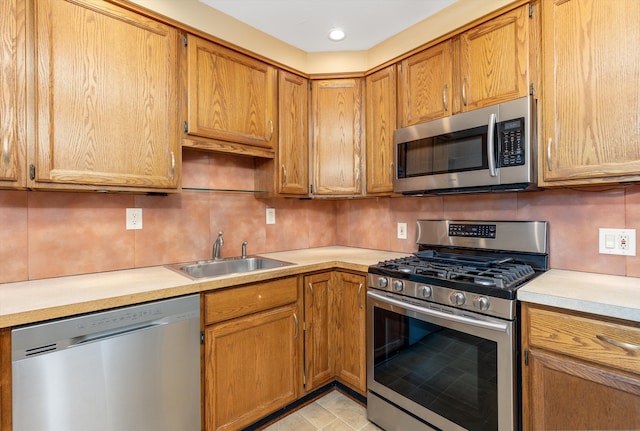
491 145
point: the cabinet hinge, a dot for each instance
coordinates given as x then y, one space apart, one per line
185 126
185 40
32 171
310 85
531 10
201 337
526 356
310 189
532 89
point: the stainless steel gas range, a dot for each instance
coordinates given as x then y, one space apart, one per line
442 326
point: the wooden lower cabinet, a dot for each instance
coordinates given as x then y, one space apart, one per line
319 316
580 372
335 337
251 366
5 379
351 330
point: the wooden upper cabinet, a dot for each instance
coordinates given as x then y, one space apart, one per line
485 65
591 85
493 61
106 114
293 149
13 90
381 122
338 133
232 100
425 85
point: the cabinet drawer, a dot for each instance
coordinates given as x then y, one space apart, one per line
603 342
240 301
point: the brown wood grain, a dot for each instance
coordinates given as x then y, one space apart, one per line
381 122
338 141
227 304
231 97
13 144
106 107
591 79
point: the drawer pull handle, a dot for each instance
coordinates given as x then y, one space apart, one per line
618 343
312 294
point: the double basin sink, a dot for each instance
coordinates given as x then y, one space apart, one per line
220 267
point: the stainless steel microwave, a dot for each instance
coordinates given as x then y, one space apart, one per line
488 149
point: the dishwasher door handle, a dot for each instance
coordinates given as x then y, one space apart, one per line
113 333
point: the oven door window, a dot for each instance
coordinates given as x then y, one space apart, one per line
451 373
453 152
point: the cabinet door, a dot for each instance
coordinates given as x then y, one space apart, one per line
591 85
231 97
12 88
381 122
5 379
106 108
293 150
251 367
425 85
494 60
351 335
319 317
338 121
571 395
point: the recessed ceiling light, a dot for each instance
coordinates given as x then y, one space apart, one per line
336 34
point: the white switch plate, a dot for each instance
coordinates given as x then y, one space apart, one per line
402 231
134 218
617 241
271 216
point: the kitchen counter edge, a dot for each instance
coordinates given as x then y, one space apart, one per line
33 301
600 294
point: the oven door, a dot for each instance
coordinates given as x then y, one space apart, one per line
453 369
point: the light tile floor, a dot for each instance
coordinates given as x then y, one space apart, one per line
332 412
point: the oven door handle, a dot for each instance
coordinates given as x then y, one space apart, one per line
494 326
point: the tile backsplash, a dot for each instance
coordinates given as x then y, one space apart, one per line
50 234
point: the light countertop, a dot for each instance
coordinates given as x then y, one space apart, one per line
36 300
605 295
32 301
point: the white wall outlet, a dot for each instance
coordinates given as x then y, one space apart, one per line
617 241
134 218
271 216
402 231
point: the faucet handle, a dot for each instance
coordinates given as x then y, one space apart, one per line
244 249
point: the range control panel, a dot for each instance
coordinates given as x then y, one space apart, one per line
473 230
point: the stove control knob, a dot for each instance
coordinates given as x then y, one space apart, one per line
383 282
398 285
425 291
457 298
481 303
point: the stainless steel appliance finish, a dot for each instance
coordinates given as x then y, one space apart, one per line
442 326
129 369
488 149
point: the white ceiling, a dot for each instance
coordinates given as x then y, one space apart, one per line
305 24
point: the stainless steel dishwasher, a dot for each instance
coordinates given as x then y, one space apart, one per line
129 369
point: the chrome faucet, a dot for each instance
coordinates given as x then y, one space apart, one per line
244 250
217 245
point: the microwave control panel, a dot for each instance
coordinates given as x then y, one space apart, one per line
511 142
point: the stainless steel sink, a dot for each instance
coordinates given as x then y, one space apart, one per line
233 265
